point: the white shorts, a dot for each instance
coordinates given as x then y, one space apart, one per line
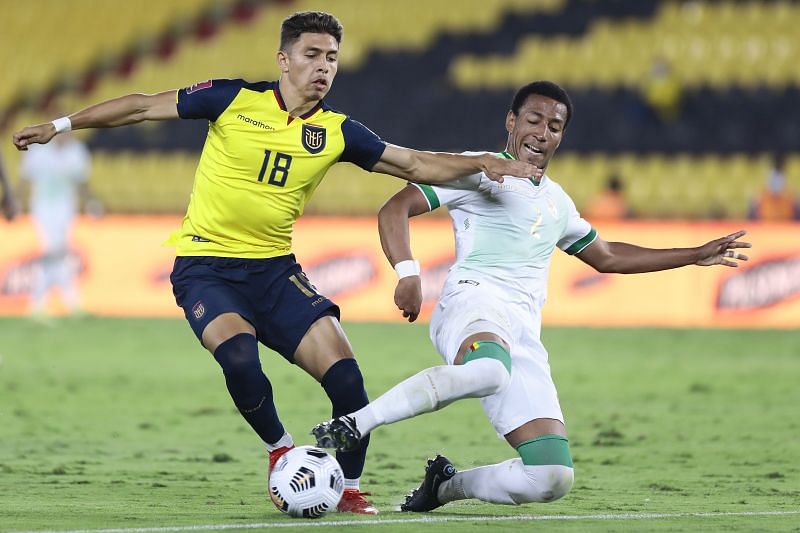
465 309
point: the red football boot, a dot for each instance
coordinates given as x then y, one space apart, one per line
276 454
353 501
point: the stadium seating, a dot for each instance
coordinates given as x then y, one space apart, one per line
706 43
45 41
465 64
368 26
655 186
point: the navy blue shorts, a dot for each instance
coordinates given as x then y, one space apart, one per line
273 294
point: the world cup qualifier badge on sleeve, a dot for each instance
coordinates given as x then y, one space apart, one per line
313 138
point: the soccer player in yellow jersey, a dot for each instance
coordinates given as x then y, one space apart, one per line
269 144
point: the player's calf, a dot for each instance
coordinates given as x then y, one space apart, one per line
344 385
543 473
548 467
546 483
249 388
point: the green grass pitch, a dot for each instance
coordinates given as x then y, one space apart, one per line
112 423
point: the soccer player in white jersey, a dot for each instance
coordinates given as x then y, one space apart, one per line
487 323
58 174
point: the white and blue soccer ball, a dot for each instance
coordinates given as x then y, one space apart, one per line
306 482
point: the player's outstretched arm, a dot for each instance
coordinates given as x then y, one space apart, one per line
439 167
396 243
624 258
120 111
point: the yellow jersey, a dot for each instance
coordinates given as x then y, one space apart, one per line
259 166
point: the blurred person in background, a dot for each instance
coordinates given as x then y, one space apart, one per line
8 204
57 175
269 145
487 323
776 201
662 92
610 204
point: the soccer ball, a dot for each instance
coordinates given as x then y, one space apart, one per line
306 482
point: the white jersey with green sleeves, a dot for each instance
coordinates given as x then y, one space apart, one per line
505 233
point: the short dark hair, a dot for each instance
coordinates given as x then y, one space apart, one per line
543 88
309 22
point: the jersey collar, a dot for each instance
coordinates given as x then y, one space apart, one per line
507 155
277 92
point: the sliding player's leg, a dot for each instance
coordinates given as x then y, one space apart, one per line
481 369
527 414
469 328
542 473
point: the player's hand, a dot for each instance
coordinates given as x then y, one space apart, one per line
408 297
722 251
495 168
39 134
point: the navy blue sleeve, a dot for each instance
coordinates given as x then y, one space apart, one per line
208 99
361 146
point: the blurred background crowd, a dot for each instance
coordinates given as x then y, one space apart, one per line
686 112
683 108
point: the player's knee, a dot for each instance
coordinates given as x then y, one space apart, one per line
238 355
345 373
501 376
494 376
546 483
548 467
493 361
238 358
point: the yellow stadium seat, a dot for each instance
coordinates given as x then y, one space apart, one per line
706 43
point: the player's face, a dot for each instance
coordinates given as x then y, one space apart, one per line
310 64
535 133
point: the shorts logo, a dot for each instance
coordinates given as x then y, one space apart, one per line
313 138
198 310
199 86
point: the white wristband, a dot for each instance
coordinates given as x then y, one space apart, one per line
407 268
62 124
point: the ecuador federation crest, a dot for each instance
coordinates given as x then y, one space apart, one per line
313 138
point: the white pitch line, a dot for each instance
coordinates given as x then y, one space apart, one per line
419 520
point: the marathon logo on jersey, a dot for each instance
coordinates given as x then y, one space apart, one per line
199 86
254 122
198 310
313 138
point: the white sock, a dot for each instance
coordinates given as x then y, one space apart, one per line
509 483
284 442
432 389
39 288
351 484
